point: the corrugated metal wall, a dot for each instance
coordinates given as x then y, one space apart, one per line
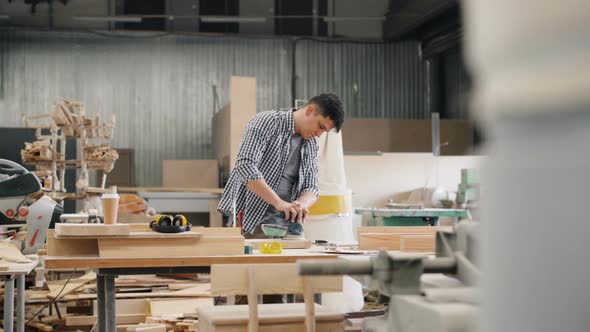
373 80
161 88
456 87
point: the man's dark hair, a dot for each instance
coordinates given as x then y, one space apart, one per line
331 107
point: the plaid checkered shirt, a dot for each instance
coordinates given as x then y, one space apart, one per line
263 154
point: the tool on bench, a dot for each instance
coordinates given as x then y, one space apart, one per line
273 231
168 224
23 203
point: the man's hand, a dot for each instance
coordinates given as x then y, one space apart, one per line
288 209
294 211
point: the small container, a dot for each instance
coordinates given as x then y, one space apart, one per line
248 250
271 248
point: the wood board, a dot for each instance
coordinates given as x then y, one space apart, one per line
418 243
227 279
135 235
271 317
286 243
62 290
10 253
170 247
176 307
389 237
90 320
91 230
71 247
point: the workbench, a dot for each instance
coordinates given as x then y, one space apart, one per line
16 271
109 268
407 217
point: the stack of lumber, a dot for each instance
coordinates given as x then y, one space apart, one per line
38 150
140 299
101 157
402 238
115 241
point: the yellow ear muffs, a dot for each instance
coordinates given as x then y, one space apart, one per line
179 220
163 219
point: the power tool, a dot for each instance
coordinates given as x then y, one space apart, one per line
23 203
165 223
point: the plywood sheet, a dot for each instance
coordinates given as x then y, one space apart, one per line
227 279
190 173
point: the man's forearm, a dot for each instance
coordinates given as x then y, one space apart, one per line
307 198
264 191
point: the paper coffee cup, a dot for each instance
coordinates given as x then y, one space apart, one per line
110 207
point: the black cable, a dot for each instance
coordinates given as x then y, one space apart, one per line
53 300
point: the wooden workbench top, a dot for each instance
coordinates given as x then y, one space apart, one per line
92 262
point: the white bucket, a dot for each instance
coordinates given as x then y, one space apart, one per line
333 227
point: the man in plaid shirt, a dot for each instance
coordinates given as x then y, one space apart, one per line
276 170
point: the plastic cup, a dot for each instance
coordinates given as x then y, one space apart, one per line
110 208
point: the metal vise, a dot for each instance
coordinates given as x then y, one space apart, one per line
419 303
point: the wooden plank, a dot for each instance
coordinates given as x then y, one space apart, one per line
418 243
272 317
10 253
270 279
95 230
389 237
71 247
135 235
203 290
171 189
253 324
176 307
215 217
126 306
286 243
403 229
70 286
147 328
379 241
170 246
219 231
90 320
190 173
288 256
